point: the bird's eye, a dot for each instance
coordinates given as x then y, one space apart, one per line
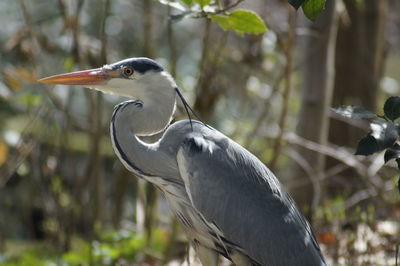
128 71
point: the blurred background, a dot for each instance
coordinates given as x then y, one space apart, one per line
65 199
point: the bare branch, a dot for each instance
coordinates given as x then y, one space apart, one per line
287 48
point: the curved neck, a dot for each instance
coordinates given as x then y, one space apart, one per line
148 115
132 118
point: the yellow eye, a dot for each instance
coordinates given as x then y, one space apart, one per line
128 71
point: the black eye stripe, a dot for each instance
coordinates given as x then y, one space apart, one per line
139 65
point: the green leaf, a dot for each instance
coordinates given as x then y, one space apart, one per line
31 100
367 146
241 21
202 3
392 108
296 3
188 2
392 153
69 64
385 133
354 112
312 8
382 136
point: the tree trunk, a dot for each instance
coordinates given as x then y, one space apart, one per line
151 192
316 98
361 37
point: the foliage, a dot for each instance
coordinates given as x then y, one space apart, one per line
111 247
311 8
391 108
384 133
240 21
28 253
354 112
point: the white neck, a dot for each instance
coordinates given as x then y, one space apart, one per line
157 93
150 113
154 116
158 97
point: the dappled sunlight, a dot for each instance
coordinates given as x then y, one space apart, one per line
311 89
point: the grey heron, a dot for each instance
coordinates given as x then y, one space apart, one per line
227 201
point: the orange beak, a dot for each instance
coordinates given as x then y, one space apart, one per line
97 76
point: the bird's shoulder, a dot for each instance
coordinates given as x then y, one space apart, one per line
183 132
188 126
202 145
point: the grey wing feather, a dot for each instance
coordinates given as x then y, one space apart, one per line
232 189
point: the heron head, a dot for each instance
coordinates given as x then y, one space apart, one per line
133 78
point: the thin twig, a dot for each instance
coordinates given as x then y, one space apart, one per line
172 45
171 241
288 51
204 14
360 196
23 148
202 68
263 114
200 13
32 33
219 4
338 153
207 94
312 175
343 156
103 35
334 171
148 29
